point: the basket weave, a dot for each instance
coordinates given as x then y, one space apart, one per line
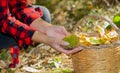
117 55
104 60
98 59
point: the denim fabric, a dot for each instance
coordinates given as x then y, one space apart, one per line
7 41
46 14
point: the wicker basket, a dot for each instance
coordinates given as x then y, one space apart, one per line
97 59
117 55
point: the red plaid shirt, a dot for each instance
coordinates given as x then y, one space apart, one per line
10 10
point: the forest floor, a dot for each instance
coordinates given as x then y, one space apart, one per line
43 59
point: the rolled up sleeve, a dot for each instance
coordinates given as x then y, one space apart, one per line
23 12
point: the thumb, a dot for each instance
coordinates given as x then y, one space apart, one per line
63 43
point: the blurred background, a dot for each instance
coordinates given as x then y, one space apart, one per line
68 12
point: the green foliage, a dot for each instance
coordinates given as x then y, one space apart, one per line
67 70
116 20
61 70
55 62
4 55
73 41
48 3
95 41
109 27
9 70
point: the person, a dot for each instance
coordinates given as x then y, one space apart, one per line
21 25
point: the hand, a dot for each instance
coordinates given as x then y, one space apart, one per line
57 45
58 32
54 43
60 49
51 35
49 29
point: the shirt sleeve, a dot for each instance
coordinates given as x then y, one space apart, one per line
21 32
23 12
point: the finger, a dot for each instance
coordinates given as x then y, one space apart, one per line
63 43
75 50
59 33
60 49
64 31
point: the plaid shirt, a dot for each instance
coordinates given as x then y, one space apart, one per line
10 10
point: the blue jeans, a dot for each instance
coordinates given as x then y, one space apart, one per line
46 14
7 41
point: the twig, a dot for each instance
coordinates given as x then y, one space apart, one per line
118 7
107 3
117 1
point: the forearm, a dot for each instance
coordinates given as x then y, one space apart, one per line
40 25
28 15
38 37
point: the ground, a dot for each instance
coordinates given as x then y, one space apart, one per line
42 58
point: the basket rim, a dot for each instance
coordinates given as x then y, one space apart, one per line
96 17
117 43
